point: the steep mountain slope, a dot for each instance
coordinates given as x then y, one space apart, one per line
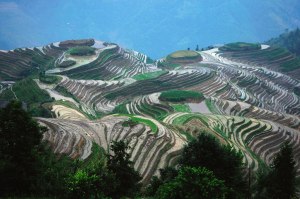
105 93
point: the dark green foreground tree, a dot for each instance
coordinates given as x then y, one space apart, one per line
224 161
20 137
115 180
280 181
119 164
27 166
224 165
193 183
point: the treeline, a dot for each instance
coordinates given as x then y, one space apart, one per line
206 169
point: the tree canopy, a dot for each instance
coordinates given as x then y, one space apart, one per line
20 137
193 182
280 181
224 161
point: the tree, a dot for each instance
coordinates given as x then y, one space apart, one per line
119 164
224 161
197 48
20 137
166 175
280 182
28 166
193 183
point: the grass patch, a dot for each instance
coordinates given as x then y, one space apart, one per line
149 123
180 96
188 136
181 108
211 107
81 51
150 75
183 56
135 120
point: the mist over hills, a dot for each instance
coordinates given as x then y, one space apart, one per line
155 27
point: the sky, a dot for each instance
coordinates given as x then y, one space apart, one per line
153 27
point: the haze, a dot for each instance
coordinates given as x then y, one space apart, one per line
153 27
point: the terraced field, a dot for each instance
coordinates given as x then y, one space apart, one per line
113 93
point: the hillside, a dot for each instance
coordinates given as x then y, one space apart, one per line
289 40
272 57
89 91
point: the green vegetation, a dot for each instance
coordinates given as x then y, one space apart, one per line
274 55
96 74
134 120
114 178
181 108
150 75
29 169
27 165
81 51
62 90
206 168
203 164
224 161
183 56
280 181
49 79
211 106
297 91
146 122
240 46
119 164
289 40
193 182
180 96
121 108
29 92
149 60
24 63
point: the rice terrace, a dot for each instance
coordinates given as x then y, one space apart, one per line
89 93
